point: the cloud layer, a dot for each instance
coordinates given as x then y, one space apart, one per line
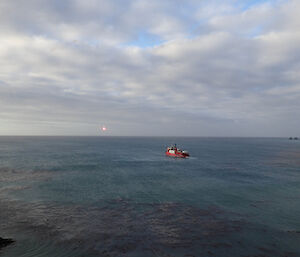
214 68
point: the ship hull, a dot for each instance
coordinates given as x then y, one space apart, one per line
178 155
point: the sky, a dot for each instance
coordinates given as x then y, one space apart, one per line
150 68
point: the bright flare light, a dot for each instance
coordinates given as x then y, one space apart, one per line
104 128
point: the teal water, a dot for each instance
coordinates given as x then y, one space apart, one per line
121 196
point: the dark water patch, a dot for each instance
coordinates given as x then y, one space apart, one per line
121 227
124 228
287 158
14 175
242 176
16 182
260 204
294 231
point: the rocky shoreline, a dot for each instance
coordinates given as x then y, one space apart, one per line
5 242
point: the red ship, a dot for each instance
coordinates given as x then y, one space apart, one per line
175 152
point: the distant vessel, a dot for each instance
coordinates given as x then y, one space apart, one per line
173 151
295 138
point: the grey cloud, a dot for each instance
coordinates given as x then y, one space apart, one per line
102 21
217 82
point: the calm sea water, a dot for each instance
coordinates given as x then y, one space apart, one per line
121 196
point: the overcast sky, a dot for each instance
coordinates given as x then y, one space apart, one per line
159 67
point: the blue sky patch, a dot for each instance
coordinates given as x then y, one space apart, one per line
144 40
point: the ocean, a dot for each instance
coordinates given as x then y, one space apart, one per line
121 196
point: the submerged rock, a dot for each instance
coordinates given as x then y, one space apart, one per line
5 242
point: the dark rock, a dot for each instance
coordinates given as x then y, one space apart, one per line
5 242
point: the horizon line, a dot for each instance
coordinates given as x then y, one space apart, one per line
147 136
